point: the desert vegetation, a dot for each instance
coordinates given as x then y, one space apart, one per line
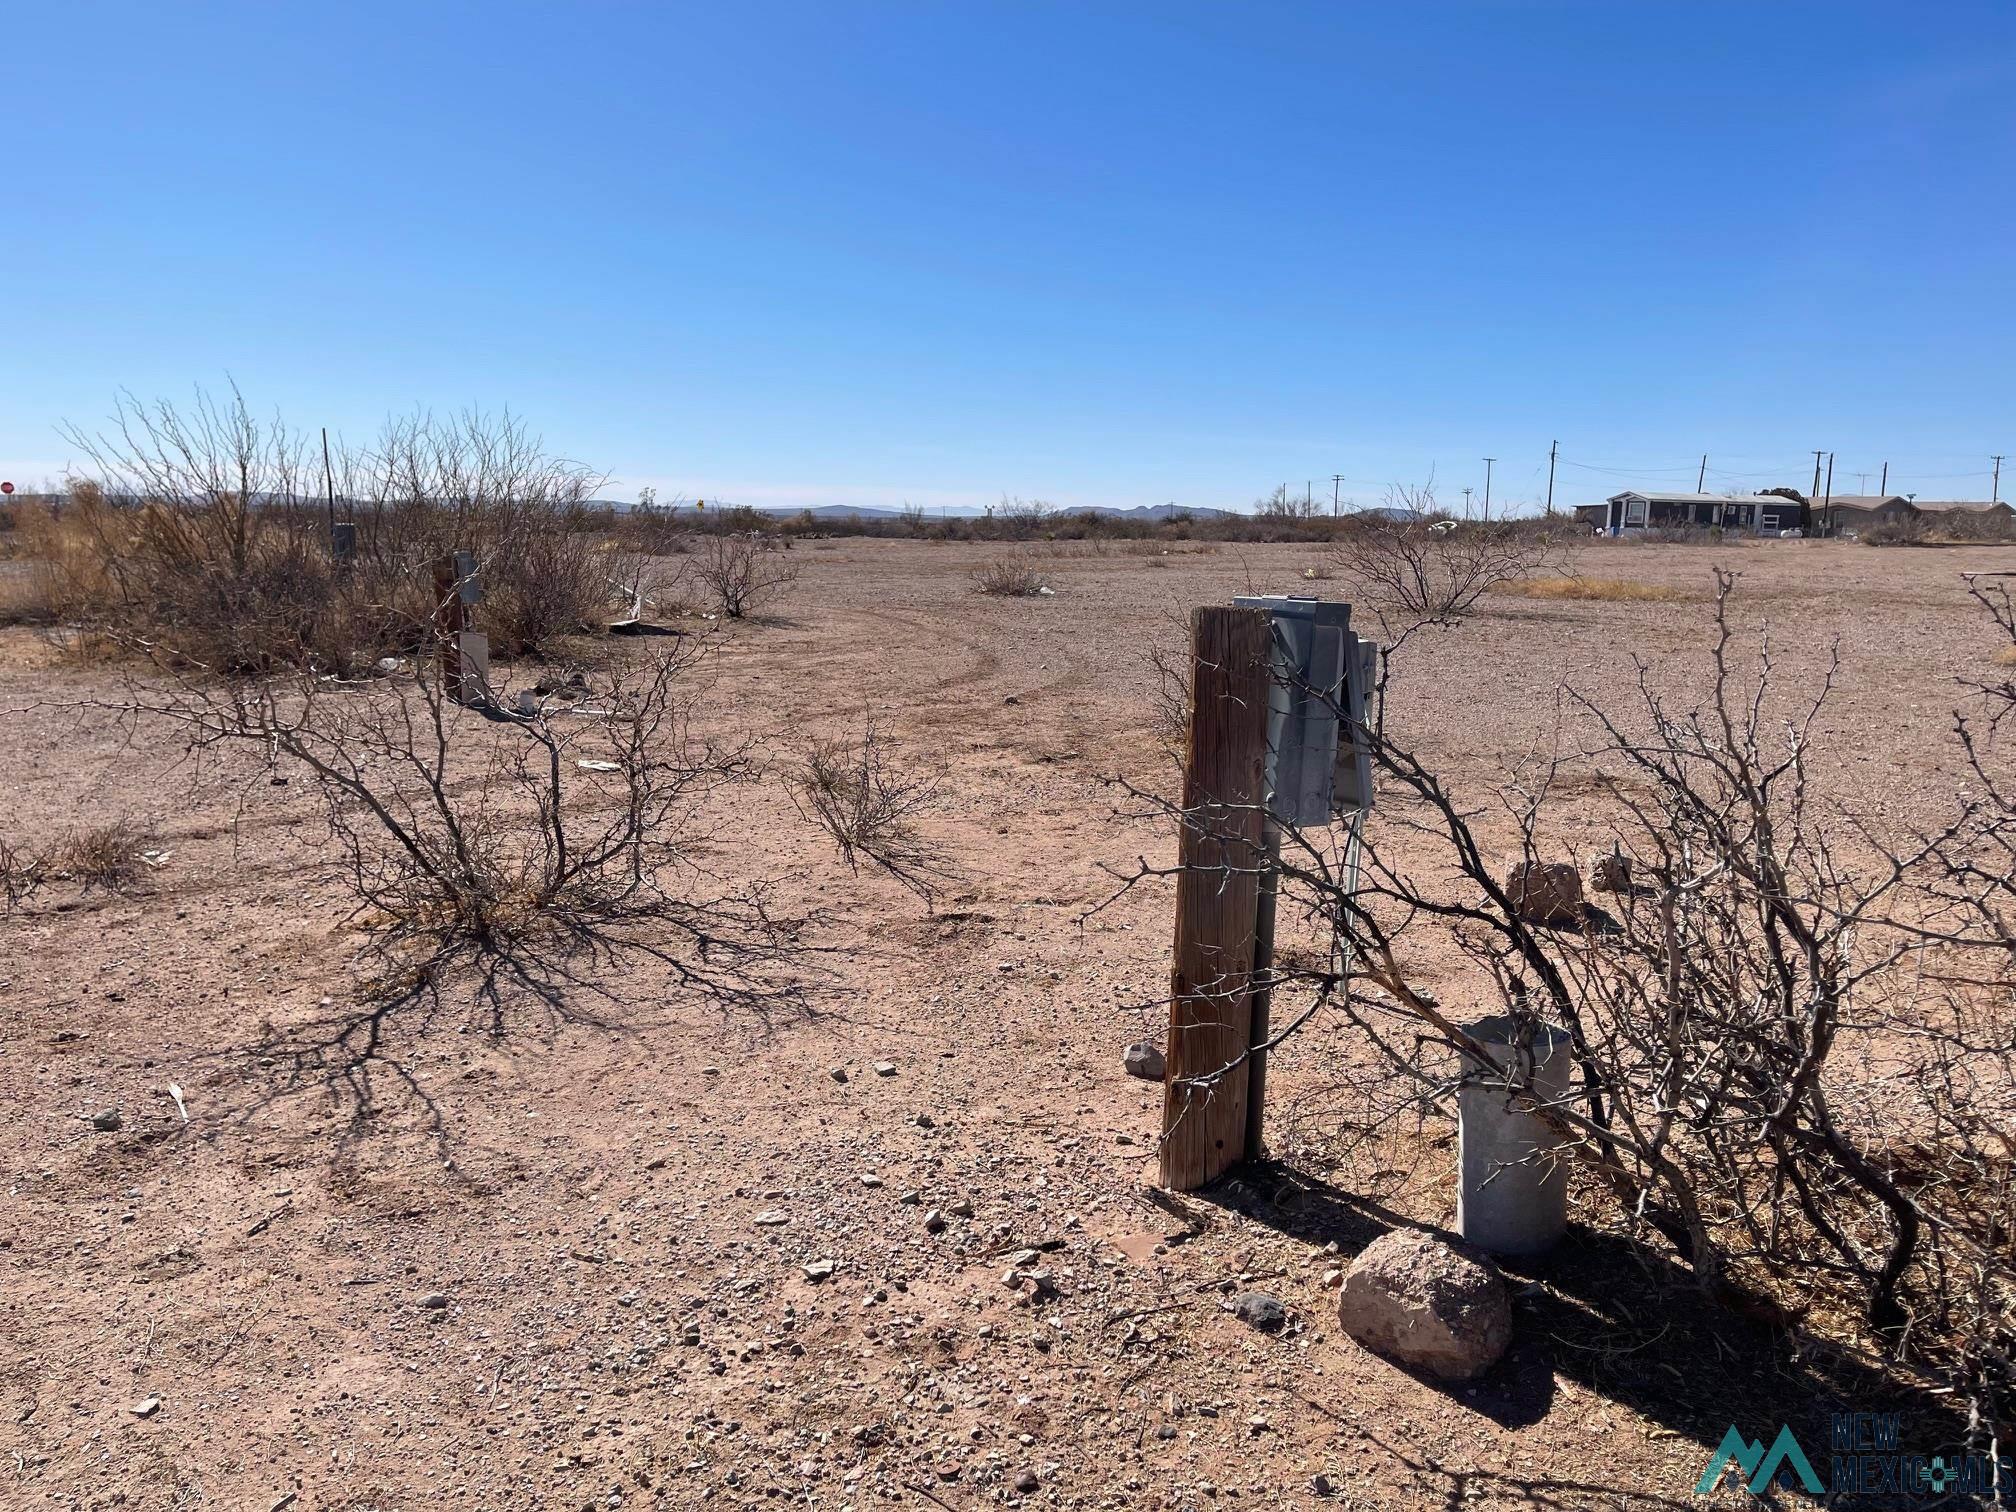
581 989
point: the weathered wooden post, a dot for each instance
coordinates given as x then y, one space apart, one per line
1221 852
464 653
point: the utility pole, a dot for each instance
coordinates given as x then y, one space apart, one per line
1883 488
1553 451
1827 514
1466 502
1816 477
1995 488
1861 483
1701 478
1336 483
1487 488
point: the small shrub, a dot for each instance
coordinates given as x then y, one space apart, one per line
1011 577
1906 530
742 573
850 791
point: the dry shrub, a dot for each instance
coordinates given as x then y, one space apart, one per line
519 847
1011 577
206 531
1595 589
1412 569
108 856
1906 530
742 573
850 791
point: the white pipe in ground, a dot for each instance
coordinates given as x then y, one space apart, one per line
1513 1196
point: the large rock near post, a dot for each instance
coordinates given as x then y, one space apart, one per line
1428 1304
1545 892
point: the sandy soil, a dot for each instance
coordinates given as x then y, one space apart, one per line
582 1193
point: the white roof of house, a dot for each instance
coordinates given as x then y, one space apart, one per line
1659 497
1959 506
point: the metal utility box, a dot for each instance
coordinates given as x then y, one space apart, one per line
1320 667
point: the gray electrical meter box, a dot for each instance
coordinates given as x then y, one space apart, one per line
1320 668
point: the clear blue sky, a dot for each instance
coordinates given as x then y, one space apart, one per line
1095 253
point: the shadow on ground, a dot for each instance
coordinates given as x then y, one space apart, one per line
1626 1324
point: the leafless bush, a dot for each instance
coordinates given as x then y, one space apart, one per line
742 573
1907 530
1023 519
111 856
849 789
1415 570
1791 1054
519 844
1010 577
208 529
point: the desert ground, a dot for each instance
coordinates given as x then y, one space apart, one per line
516 1262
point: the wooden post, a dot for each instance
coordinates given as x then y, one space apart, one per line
451 618
1221 850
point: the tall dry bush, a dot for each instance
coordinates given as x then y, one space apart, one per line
206 530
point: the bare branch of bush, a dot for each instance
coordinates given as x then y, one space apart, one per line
1790 1042
522 847
1412 568
849 789
742 572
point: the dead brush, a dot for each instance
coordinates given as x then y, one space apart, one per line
848 788
1592 589
109 856
1011 577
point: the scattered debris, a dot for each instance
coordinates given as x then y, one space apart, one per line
885 1068
146 1407
590 764
819 1270
181 1107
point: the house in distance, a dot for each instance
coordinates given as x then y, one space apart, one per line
1752 514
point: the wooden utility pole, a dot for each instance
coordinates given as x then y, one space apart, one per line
1336 484
451 618
329 483
1883 488
1816 477
1487 488
1701 478
1553 451
1221 852
1995 487
1827 517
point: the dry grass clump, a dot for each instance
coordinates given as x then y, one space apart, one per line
849 789
1011 577
1595 589
111 856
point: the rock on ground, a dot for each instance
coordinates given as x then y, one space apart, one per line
1144 1059
1545 892
1413 1298
1263 1312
